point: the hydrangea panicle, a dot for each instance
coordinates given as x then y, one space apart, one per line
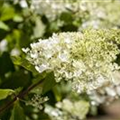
86 59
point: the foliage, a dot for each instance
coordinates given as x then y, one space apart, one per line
4 93
23 88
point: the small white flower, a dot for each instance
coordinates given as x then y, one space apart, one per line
25 50
63 57
3 45
42 67
15 52
110 91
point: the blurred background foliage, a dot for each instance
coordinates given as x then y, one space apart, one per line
25 21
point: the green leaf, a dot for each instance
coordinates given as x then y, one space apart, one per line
4 26
17 18
48 83
24 63
7 12
4 93
66 17
17 112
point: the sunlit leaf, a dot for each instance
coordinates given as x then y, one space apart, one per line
18 18
7 12
4 26
4 93
24 63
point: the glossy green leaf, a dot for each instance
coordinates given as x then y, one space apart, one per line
48 83
17 112
4 93
4 26
18 18
7 12
24 63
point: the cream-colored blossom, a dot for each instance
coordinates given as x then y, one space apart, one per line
68 110
94 13
107 93
86 60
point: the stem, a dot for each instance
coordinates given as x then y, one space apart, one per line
19 96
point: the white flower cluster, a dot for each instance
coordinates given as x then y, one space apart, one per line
103 14
92 13
37 101
84 59
68 110
53 8
106 94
